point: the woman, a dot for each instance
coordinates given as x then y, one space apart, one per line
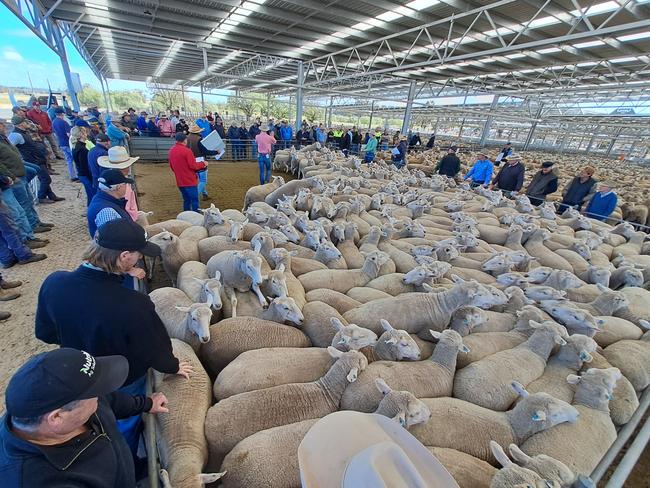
371 147
199 151
152 128
80 157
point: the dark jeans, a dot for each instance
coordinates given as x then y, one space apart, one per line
190 196
31 171
45 180
264 163
131 427
11 246
87 182
369 157
235 149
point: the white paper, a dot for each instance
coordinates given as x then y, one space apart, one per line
219 154
213 142
499 157
200 159
395 151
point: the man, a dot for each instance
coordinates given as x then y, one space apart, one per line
233 136
7 294
12 248
603 203
415 140
431 142
42 120
102 143
62 130
286 134
321 134
264 141
252 134
35 153
511 177
481 172
543 183
118 158
581 189
185 166
345 141
505 152
356 140
60 426
303 137
165 126
371 147
109 202
243 137
141 122
450 164
399 153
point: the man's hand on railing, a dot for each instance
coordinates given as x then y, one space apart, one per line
138 273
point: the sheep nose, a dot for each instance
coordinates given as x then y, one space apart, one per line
205 339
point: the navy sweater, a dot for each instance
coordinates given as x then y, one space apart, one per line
103 200
510 178
89 309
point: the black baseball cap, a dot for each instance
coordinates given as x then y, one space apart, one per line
547 164
125 235
101 137
110 177
52 379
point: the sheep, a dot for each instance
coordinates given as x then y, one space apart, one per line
143 218
581 445
174 226
432 377
461 425
392 345
468 471
282 257
182 445
351 337
485 382
274 284
233 336
614 329
607 303
343 280
259 193
270 457
535 247
184 320
569 359
241 271
194 218
342 303
175 252
632 358
415 312
465 319
237 417
576 320
193 279
398 283
211 246
363 294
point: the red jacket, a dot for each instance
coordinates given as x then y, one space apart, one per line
184 165
41 118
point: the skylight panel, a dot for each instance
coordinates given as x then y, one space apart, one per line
389 16
422 4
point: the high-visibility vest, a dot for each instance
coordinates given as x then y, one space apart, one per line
338 133
378 135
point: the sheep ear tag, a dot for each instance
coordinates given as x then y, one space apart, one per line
463 348
539 416
585 357
401 418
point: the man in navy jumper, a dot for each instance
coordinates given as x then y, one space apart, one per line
109 202
510 178
603 203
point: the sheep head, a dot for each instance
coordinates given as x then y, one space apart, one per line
512 279
544 465
164 240
541 292
351 337
580 347
418 275
403 405
596 384
211 291
539 411
572 317
212 216
198 320
277 282
465 319
352 361
599 275
326 252
451 338
250 263
236 230
396 345
286 310
256 216
498 262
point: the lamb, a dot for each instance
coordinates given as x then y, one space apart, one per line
260 192
193 279
274 284
351 337
174 226
143 218
235 418
184 320
241 271
342 303
270 457
607 303
231 337
625 276
541 292
282 257
348 248
194 218
415 312
213 245
432 377
614 329
461 425
569 359
175 252
182 445
576 320
397 283
581 445
632 358
282 310
535 247
342 280
392 345
468 471
484 382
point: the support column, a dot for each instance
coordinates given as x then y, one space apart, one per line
299 95
488 122
183 95
531 132
202 100
611 144
66 67
372 112
108 91
591 141
268 105
409 108
329 117
101 82
460 131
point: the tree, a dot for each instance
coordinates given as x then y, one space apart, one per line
245 105
166 99
89 96
123 99
312 114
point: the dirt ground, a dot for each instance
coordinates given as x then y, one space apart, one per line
227 184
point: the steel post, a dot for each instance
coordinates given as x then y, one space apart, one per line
531 132
409 108
299 95
488 122
108 92
372 112
60 45
202 100
591 141
101 82
611 144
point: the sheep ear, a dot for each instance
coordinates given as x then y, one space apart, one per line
533 324
183 309
499 454
353 375
281 268
400 417
539 416
382 386
435 334
644 324
199 281
337 324
519 389
573 379
386 325
585 357
293 253
207 478
457 279
427 288
335 353
518 455
558 340
217 275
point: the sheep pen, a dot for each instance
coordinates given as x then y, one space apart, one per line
410 219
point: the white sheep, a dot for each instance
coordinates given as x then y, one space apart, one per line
175 251
193 279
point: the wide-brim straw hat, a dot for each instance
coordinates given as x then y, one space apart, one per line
349 449
194 129
117 158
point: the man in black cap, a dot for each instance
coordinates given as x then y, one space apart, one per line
60 426
543 183
450 164
109 202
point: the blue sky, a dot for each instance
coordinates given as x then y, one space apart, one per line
21 52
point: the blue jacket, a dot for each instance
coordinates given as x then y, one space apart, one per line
243 133
62 130
254 130
481 172
286 133
233 133
117 137
141 123
601 206
93 156
103 200
322 135
205 127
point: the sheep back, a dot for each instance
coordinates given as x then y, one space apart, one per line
496 322
185 279
174 226
468 471
342 303
340 280
272 366
182 444
301 266
211 246
317 324
268 458
616 329
363 294
195 232
633 359
230 337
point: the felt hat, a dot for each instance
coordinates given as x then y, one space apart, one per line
194 129
117 158
349 449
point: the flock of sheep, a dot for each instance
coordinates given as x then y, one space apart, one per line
500 334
